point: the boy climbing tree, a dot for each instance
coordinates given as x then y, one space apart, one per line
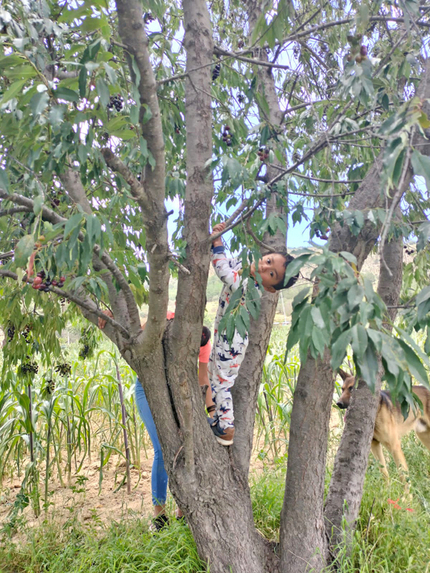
228 354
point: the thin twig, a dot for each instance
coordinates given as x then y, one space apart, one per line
178 264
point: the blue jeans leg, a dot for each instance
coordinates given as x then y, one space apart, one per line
159 474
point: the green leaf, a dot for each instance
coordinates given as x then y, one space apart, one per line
423 295
39 102
355 296
376 337
317 317
359 340
349 257
103 91
294 267
13 91
338 349
319 340
56 114
231 328
369 367
74 222
38 204
66 94
82 81
4 180
23 250
304 293
415 365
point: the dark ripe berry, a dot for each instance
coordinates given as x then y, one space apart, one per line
60 285
216 71
363 51
54 283
228 142
10 331
63 369
29 367
41 274
50 386
148 17
240 98
240 44
226 128
116 102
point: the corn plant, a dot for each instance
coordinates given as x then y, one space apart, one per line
274 403
51 425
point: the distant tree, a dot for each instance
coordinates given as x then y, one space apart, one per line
248 112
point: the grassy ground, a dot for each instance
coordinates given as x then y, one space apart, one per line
393 535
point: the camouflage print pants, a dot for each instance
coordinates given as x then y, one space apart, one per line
224 365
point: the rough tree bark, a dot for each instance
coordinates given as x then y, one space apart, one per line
316 379
346 486
208 481
245 390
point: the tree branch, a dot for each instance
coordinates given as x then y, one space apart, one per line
136 188
73 298
54 218
13 211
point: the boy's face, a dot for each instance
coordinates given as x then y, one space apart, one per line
271 269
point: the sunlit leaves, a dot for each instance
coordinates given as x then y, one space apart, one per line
344 312
23 250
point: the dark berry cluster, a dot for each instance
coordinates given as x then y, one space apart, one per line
148 17
44 284
56 198
263 153
296 50
216 71
116 102
10 332
226 136
84 351
26 333
63 369
29 367
50 386
240 98
87 343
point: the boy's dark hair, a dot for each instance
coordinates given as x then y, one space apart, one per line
288 258
206 336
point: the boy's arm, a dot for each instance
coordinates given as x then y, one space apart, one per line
226 269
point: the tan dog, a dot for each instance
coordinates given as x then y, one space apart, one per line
390 426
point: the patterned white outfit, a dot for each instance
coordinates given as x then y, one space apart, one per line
226 357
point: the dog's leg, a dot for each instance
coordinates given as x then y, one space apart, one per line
423 433
379 455
402 466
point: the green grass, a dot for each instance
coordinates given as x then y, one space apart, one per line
388 539
124 547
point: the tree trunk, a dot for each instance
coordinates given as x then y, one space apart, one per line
346 486
302 535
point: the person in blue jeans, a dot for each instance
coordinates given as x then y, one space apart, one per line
159 475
